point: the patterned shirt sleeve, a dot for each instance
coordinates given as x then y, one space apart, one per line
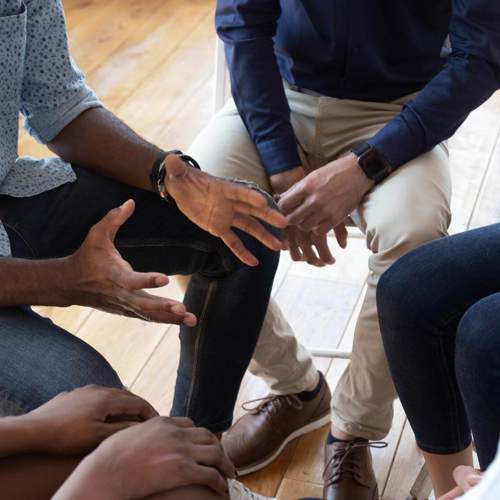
54 91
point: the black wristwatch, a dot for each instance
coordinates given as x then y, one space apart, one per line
372 162
157 174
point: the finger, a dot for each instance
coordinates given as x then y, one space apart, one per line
236 246
323 227
309 254
257 230
321 244
138 281
466 477
267 214
108 429
200 435
158 309
213 456
125 404
183 422
291 199
293 247
207 476
341 235
110 224
304 216
453 494
240 193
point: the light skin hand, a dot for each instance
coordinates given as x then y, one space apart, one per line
327 196
305 245
76 422
100 278
466 478
219 206
154 457
312 248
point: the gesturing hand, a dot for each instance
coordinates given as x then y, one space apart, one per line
102 279
466 478
75 423
218 206
154 457
312 248
323 200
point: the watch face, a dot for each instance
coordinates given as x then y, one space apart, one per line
372 164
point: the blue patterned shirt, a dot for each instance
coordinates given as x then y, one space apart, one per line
39 79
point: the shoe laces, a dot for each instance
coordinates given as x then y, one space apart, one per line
343 462
272 404
238 491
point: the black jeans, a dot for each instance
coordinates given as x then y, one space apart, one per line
439 311
38 360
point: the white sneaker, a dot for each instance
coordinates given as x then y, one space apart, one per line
238 491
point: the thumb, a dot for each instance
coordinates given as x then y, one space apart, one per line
115 219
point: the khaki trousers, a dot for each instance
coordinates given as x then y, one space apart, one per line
409 208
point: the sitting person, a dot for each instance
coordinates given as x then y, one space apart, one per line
63 242
439 312
112 445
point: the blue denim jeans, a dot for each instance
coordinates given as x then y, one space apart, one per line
439 310
39 360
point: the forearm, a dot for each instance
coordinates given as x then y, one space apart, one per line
99 141
34 282
87 481
34 477
247 29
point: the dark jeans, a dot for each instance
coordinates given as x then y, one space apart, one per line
39 360
439 311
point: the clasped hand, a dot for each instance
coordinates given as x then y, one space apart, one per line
326 197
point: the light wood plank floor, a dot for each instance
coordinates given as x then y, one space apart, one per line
151 61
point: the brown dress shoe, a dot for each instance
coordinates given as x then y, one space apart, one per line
258 437
349 471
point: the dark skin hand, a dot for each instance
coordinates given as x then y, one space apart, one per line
99 141
160 455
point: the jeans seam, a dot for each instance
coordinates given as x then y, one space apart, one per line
19 235
452 392
212 287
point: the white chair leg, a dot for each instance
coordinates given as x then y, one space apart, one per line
221 76
422 487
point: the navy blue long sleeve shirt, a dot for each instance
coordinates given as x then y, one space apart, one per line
370 50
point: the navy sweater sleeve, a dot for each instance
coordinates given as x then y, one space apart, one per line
247 28
470 76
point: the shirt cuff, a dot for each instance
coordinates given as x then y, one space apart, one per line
401 140
279 154
46 126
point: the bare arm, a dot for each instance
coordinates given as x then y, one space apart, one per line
100 141
34 282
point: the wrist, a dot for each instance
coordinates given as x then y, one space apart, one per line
363 182
25 435
91 479
285 180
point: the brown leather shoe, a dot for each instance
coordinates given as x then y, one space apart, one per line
349 471
258 437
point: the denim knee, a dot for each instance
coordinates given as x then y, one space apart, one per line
478 337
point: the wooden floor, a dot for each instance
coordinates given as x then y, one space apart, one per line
151 61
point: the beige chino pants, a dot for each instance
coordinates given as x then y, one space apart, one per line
409 208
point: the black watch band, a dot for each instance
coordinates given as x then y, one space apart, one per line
372 162
157 174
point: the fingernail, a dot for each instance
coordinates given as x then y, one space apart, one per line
179 309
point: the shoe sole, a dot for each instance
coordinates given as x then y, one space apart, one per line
312 426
